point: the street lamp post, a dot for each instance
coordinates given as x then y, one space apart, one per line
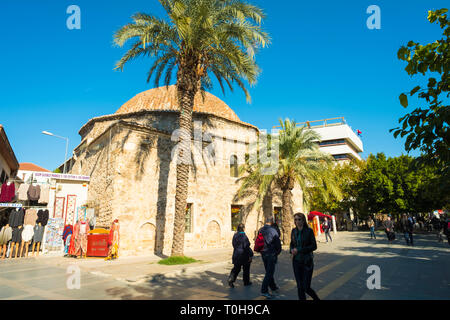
67 145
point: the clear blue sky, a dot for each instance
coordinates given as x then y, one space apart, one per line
323 62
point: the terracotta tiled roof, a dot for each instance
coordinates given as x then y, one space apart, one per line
164 98
26 166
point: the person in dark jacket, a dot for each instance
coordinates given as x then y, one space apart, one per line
407 228
242 256
303 243
326 226
269 255
389 229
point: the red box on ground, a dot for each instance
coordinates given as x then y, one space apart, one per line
97 245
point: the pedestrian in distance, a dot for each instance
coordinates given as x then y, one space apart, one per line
371 225
303 243
443 228
446 227
389 229
326 226
270 249
242 256
436 222
407 226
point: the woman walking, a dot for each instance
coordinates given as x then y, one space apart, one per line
242 256
303 243
371 225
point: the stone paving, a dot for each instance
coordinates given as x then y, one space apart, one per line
419 272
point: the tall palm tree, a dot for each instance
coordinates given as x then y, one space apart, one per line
301 161
201 38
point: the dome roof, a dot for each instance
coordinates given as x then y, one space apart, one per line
165 98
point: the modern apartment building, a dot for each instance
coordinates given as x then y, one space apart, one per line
337 138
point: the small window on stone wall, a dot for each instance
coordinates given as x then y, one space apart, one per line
234 171
236 216
188 221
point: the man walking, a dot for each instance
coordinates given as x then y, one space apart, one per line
407 226
326 226
389 229
371 225
269 254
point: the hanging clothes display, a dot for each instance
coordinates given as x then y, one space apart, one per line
16 219
67 235
28 225
34 192
5 235
23 192
8 192
80 237
41 222
45 194
53 234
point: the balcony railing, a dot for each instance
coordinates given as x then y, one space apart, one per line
321 123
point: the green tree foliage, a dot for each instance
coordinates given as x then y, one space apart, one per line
347 174
427 128
300 161
385 185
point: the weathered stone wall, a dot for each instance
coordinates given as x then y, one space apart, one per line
133 179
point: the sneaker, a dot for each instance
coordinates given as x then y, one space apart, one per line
267 295
276 291
231 284
248 284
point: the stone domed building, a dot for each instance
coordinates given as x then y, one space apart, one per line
128 156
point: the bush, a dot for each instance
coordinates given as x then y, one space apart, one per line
177 260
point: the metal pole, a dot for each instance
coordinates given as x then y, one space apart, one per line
65 157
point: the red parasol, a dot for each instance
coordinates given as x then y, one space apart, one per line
312 214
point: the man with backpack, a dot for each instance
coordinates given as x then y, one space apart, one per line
269 245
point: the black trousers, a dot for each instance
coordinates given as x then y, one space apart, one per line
235 272
270 262
303 275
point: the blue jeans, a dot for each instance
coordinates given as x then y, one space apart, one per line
372 233
408 238
270 261
327 235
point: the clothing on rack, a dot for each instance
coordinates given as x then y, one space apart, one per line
38 233
8 192
27 233
80 233
34 192
5 235
17 234
42 217
30 217
16 218
45 194
23 192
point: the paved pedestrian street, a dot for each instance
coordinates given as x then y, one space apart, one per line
419 272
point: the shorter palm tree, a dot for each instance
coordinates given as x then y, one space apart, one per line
300 161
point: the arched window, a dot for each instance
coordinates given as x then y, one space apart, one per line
234 166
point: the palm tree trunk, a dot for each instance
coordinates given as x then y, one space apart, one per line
287 214
186 97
